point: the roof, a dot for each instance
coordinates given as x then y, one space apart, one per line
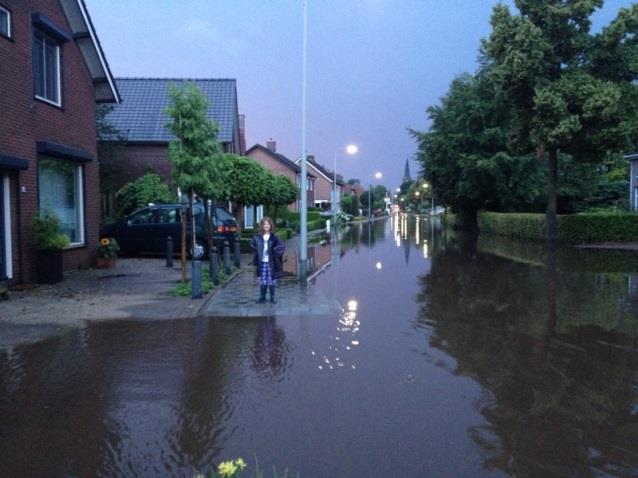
140 116
85 37
321 170
279 157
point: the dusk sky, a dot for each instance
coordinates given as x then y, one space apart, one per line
374 66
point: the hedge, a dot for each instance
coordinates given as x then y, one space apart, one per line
582 228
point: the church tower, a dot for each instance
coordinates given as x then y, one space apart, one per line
406 174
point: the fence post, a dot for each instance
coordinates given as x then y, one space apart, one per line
169 251
196 280
237 254
226 257
213 260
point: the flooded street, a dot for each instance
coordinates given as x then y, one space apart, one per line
452 357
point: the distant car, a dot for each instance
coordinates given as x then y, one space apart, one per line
147 229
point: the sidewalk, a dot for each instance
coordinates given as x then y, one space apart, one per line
137 288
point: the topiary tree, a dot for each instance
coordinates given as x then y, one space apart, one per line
282 192
247 183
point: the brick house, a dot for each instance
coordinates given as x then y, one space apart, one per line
323 184
56 73
140 120
277 163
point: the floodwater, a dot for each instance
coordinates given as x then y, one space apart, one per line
452 358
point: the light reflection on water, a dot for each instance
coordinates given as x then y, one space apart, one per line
446 361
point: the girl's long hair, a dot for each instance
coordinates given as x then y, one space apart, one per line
263 221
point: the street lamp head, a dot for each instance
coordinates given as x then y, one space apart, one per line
398 190
425 185
378 175
417 194
352 149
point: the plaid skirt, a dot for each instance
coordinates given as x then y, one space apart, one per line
265 274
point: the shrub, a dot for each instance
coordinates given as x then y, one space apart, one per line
572 228
46 232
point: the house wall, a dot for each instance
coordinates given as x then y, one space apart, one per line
136 159
275 167
323 187
26 120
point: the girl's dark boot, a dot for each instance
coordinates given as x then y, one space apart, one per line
272 294
262 295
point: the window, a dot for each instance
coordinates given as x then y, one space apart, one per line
5 22
46 68
145 216
60 188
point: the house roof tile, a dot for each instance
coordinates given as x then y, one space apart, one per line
140 116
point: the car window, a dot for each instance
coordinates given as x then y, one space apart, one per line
223 214
141 217
168 216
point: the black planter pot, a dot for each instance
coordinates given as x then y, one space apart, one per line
50 266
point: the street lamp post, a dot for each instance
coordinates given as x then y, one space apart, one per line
350 149
377 176
303 217
426 186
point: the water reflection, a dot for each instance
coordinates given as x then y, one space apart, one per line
452 363
562 401
150 399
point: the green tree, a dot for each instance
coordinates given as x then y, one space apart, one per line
350 203
145 189
561 83
247 183
193 169
282 191
464 156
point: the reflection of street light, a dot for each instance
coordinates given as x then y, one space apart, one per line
377 176
350 149
378 265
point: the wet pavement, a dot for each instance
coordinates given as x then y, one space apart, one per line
237 299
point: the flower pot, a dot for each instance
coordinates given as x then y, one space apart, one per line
105 262
50 266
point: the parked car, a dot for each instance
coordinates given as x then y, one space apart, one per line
147 229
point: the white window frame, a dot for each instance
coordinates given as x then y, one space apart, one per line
78 179
58 68
8 12
6 204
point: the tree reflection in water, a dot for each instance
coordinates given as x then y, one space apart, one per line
562 381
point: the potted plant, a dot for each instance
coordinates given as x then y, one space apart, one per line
107 253
49 242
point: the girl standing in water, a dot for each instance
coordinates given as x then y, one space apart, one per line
269 251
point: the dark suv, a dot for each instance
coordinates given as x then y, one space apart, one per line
147 229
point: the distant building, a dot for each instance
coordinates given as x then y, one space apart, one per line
323 183
406 173
277 163
53 72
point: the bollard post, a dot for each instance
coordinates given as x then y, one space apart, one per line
213 261
196 280
226 257
169 251
237 254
